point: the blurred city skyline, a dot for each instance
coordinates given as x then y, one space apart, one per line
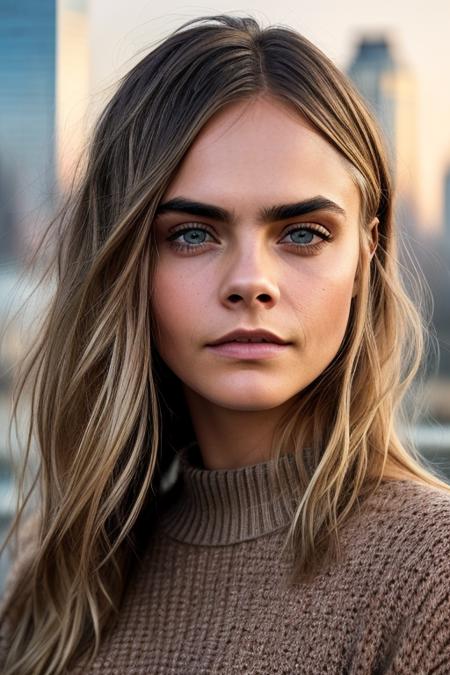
120 33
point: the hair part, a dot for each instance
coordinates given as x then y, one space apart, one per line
97 382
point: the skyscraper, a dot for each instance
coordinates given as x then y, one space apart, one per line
27 111
27 187
389 87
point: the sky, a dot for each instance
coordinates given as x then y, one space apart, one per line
121 32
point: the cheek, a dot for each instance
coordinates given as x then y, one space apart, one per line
334 312
322 306
175 305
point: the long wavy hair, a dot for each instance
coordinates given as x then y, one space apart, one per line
107 417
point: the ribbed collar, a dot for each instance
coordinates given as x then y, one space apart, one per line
217 507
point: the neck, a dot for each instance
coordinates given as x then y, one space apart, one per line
231 439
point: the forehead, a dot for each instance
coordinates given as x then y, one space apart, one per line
262 151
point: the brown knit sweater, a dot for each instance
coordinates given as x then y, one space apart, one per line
210 595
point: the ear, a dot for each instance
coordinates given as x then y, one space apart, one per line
372 236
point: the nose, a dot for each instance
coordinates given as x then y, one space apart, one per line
250 279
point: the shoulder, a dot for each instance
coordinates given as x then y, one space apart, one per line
403 527
400 547
403 530
408 504
408 500
414 537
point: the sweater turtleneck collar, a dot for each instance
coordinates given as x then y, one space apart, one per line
217 507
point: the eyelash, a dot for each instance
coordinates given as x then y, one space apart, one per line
309 249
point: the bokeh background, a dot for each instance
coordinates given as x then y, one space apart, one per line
60 61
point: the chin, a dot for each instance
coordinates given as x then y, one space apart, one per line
240 400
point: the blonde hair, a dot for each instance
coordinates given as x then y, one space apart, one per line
103 403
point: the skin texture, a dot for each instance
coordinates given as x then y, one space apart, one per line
250 274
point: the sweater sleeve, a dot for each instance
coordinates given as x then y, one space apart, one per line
422 643
423 646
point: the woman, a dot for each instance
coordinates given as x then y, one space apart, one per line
209 504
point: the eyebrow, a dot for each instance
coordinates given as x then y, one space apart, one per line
266 214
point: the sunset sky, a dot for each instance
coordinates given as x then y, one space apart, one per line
121 32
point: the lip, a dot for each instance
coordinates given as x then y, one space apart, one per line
245 333
249 350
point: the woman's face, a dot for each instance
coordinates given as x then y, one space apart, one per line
289 273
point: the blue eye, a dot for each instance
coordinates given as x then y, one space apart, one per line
194 236
300 235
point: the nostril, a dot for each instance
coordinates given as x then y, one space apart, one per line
263 297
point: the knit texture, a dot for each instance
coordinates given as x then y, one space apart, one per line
210 594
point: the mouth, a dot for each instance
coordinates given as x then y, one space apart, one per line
246 349
248 335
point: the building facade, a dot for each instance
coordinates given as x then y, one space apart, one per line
389 88
27 117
